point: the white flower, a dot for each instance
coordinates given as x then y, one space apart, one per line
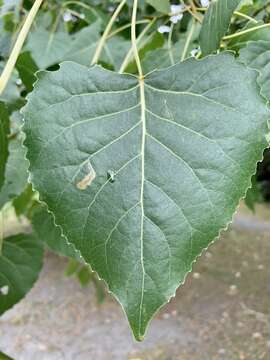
195 52
205 3
175 18
67 16
176 12
164 29
19 82
4 290
175 9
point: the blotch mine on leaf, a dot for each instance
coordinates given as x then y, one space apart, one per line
89 176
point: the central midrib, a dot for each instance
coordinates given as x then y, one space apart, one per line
143 107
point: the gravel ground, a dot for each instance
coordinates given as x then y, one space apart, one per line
222 312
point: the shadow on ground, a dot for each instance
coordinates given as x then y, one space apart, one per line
222 312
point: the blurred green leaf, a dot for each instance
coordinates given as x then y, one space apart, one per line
20 264
16 171
26 68
49 48
215 24
24 202
4 356
160 5
50 234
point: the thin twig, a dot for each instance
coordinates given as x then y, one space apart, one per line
18 45
106 33
130 52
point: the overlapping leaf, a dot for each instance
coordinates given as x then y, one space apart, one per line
160 5
49 48
51 235
142 175
15 172
20 264
241 40
216 23
257 56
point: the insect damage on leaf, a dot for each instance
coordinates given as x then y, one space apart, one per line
88 177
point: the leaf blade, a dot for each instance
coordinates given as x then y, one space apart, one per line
20 264
160 5
256 55
215 24
135 228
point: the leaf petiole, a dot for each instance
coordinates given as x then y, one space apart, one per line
130 52
134 39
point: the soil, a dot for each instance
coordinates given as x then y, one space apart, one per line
222 311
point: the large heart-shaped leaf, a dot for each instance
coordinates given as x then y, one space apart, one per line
216 23
20 264
142 175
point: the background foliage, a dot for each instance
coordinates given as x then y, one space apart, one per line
70 31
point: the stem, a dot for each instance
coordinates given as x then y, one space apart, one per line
188 40
245 31
192 10
130 52
18 45
170 45
1 231
106 33
124 27
238 13
85 6
134 39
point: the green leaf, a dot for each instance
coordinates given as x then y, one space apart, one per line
15 173
72 268
27 69
115 50
216 23
253 195
85 275
4 356
50 234
142 175
24 202
160 5
257 56
241 40
20 264
4 132
12 92
48 49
